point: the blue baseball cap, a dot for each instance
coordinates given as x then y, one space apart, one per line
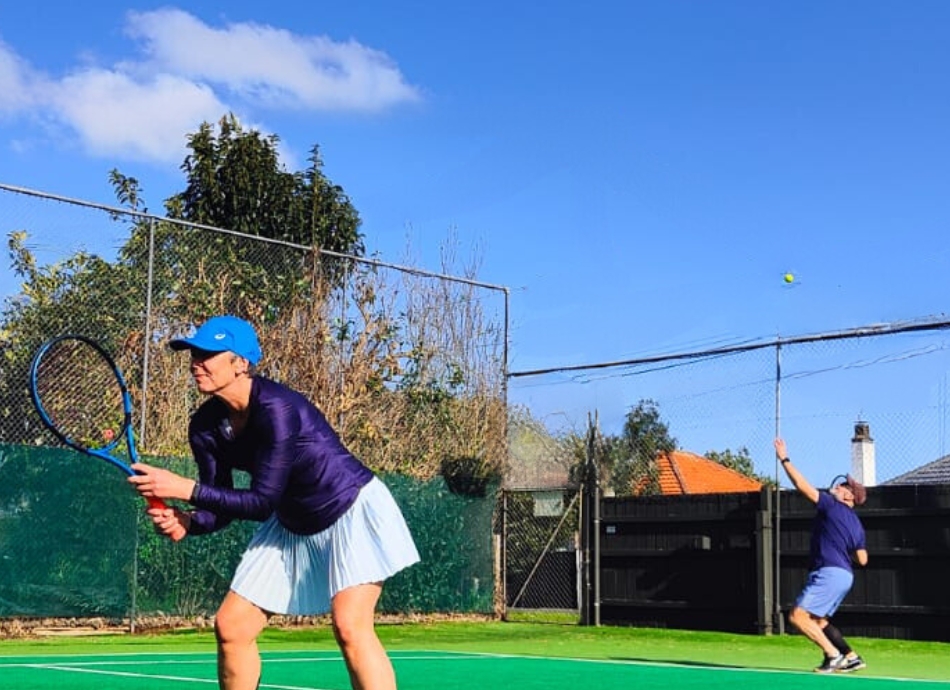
221 334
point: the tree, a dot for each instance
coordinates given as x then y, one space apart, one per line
235 181
645 437
80 294
740 461
410 371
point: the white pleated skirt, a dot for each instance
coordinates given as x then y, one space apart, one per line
299 574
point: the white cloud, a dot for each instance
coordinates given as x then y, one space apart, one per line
117 116
15 75
188 73
271 65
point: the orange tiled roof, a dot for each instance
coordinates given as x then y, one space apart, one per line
682 472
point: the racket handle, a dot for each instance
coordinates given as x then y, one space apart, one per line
179 533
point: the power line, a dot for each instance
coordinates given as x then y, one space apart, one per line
925 324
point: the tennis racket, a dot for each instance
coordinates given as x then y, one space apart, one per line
82 398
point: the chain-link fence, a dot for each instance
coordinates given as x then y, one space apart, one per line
541 549
812 390
409 365
869 401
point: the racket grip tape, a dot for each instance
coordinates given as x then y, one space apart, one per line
179 533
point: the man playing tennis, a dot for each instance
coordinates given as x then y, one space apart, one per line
837 541
331 532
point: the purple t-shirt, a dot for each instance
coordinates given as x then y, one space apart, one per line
836 534
299 468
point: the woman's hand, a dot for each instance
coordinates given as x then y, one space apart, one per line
155 482
170 522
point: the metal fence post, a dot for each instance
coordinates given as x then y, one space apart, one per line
590 537
778 622
765 578
584 526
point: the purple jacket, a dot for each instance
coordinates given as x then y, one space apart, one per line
298 466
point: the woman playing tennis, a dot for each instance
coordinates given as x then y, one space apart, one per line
331 532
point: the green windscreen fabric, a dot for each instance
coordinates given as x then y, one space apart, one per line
454 537
67 534
74 541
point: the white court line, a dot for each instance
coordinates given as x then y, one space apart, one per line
151 676
331 655
76 664
150 662
121 674
424 655
97 667
702 666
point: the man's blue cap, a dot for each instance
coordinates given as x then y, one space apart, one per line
223 333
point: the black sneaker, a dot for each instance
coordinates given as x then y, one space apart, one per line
831 664
853 664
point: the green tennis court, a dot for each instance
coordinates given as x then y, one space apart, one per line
416 669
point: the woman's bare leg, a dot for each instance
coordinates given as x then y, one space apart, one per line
354 610
236 626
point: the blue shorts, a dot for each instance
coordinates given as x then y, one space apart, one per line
824 591
283 572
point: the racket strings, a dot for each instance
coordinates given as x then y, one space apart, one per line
81 394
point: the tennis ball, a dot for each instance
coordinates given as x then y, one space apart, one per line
789 277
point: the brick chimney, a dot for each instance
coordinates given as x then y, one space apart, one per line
862 455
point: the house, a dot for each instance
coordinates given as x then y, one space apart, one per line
681 472
936 472
862 464
536 461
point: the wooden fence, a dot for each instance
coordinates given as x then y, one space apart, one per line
708 562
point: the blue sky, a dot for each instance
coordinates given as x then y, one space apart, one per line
640 174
